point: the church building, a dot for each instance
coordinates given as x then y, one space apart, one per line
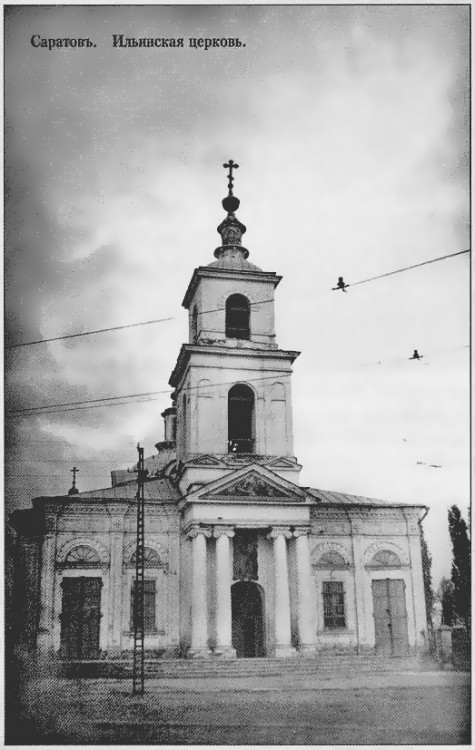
241 560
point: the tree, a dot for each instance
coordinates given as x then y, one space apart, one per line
446 595
461 578
427 576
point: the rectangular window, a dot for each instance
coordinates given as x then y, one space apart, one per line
149 596
333 604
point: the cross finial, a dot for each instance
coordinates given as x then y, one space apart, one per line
74 490
74 471
231 165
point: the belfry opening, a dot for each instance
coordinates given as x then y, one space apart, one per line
241 419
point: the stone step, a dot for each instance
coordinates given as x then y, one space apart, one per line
323 665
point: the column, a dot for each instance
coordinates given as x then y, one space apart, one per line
305 594
199 593
115 577
45 632
360 585
224 647
283 645
417 580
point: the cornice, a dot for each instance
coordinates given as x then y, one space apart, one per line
187 350
228 273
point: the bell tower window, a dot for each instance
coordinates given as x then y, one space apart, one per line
240 419
237 317
194 326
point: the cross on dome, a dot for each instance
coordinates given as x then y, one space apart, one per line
231 229
74 490
231 165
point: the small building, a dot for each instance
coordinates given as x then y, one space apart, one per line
240 559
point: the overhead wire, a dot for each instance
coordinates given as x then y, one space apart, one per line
148 396
88 333
120 328
216 309
407 268
130 397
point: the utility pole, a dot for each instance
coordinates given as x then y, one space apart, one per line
138 667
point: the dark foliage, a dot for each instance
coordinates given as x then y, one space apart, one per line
427 575
446 593
461 577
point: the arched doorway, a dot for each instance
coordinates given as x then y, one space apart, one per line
247 602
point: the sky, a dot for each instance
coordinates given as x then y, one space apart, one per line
350 126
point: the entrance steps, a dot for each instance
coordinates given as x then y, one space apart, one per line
325 664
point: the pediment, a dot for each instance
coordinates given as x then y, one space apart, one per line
205 460
256 483
282 463
252 486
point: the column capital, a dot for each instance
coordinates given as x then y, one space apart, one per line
301 531
279 531
195 530
220 530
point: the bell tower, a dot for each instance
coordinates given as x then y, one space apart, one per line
231 380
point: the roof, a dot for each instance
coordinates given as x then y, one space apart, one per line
234 264
157 462
329 497
154 490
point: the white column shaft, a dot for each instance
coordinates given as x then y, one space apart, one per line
115 590
282 599
199 601
305 595
223 613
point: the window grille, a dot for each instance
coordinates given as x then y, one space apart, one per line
149 606
333 604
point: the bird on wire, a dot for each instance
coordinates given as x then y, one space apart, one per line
341 285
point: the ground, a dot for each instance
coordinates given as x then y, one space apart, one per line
427 708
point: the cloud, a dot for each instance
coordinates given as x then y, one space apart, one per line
350 125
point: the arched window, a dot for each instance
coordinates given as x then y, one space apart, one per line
385 559
240 419
237 317
151 558
331 561
194 326
82 556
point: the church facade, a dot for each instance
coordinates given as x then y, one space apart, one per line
240 559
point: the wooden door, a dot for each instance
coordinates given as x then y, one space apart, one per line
80 618
247 620
390 616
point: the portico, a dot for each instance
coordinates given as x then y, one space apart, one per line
274 520
276 597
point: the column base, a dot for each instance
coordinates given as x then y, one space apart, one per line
198 653
307 649
283 652
225 652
